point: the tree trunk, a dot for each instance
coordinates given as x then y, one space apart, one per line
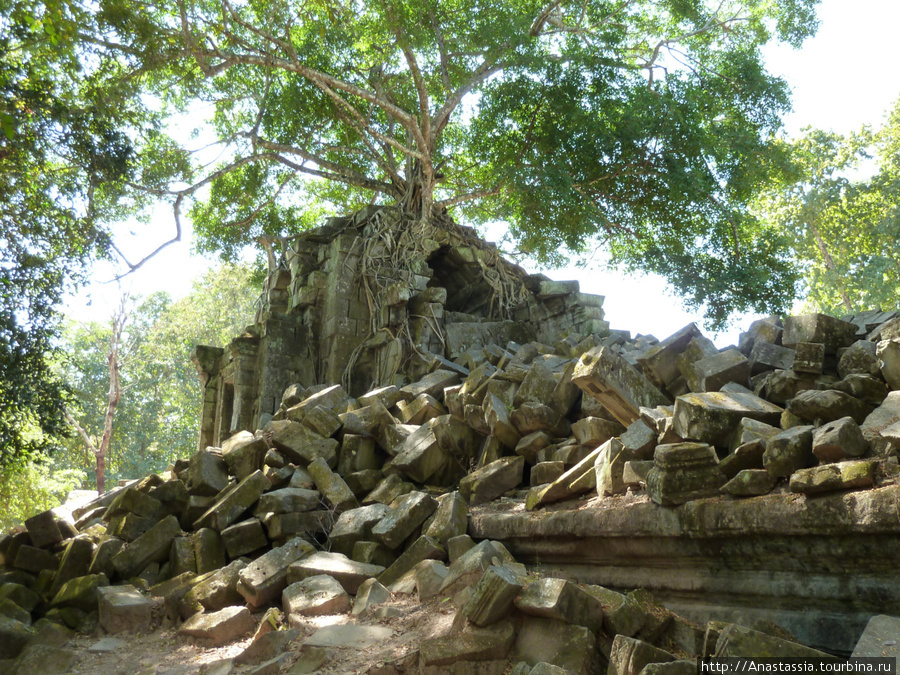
829 264
418 199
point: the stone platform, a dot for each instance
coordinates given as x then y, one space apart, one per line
819 566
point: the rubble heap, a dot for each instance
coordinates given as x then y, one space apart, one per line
511 479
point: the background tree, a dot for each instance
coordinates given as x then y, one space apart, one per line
639 125
841 209
74 133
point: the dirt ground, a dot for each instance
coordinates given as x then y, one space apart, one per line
163 652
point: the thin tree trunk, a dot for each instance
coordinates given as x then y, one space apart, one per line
829 263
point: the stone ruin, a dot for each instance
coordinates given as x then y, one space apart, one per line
413 415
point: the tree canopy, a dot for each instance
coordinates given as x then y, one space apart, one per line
637 125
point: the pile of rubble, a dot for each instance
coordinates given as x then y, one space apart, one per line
340 501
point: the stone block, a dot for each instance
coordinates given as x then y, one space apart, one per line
683 472
332 486
234 502
831 332
358 453
492 598
350 574
289 500
221 627
767 356
809 357
750 483
75 562
420 456
712 417
531 417
152 546
14 636
616 384
373 553
635 472
209 550
123 608
101 561
885 415
595 431
491 481
367 421
867 388
80 593
888 354
537 387
424 548
331 398
244 454
214 590
859 358
405 515
389 396
629 656
308 524
207 473
735 640
639 439
529 446
244 537
315 596
568 646
355 525
430 576
879 639
560 599
321 420
827 405
432 384
851 475
43 529
496 415
133 501
839 440
128 527
577 480
11 610
33 559
421 409
462 652
789 451
21 595
181 557
713 372
450 519
301 444
369 594
609 467
263 580
546 472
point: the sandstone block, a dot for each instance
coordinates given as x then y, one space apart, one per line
767 356
33 559
537 387
827 405
629 656
860 358
209 550
839 440
595 431
750 483
881 418
713 372
355 525
832 477
466 649
450 519
831 332
369 594
493 596
152 546
789 451
563 600
424 548
289 500
332 486
420 456
207 473
301 444
660 362
350 574
496 415
404 516
322 421
562 644
221 627
577 480
546 472
263 580
491 481
234 502
80 593
683 472
123 608
244 454
315 596
43 529
879 639
737 640
712 417
214 591
530 445
244 537
609 467
888 354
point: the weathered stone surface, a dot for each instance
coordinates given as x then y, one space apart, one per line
43 529
123 608
301 444
492 598
358 453
307 524
215 590
133 501
530 417
827 405
660 361
331 398
405 515
546 472
609 467
244 454
287 500
14 636
713 372
332 486
577 480
314 596
712 417
737 640
432 384
748 456
615 383
267 646
80 593
152 546
46 660
209 550
491 481
881 418
529 446
750 430
19 594
809 357
244 537
234 502
369 594
75 562
789 451
767 356
33 559
563 644
430 576
355 525
831 477
348 573
750 483
860 358
683 472
639 439
467 569
537 387
474 644
11 610
496 415
420 456
424 548
879 639
389 396
831 332
595 431
263 580
450 519
561 599
221 627
839 440
888 354
207 473
321 420
629 656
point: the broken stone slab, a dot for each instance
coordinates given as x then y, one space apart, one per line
565 645
867 388
563 600
358 453
315 596
348 573
712 417
215 590
181 557
466 570
133 501
577 480
537 387
43 529
531 417
450 519
885 415
420 456
421 409
493 597
244 453
209 550
405 515
14 637
331 398
543 473
809 357
827 405
389 396
474 644
888 354
424 548
207 473
152 546
267 646
234 502
789 451
854 474
10 609
750 483
244 537
639 439
767 356
683 472
80 593
530 445
839 440
660 362
128 527
635 472
264 579
615 383
75 562
123 608
489 482
714 372
322 421
369 594
735 640
496 415
860 358
821 328
355 525
879 639
595 431
429 576
629 656
367 420
221 627
750 430
301 444
332 486
287 500
609 467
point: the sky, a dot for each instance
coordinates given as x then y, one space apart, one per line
842 78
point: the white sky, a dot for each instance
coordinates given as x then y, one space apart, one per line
841 79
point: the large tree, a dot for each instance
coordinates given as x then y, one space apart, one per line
644 126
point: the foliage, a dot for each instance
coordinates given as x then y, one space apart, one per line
74 133
156 419
639 125
37 486
840 208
